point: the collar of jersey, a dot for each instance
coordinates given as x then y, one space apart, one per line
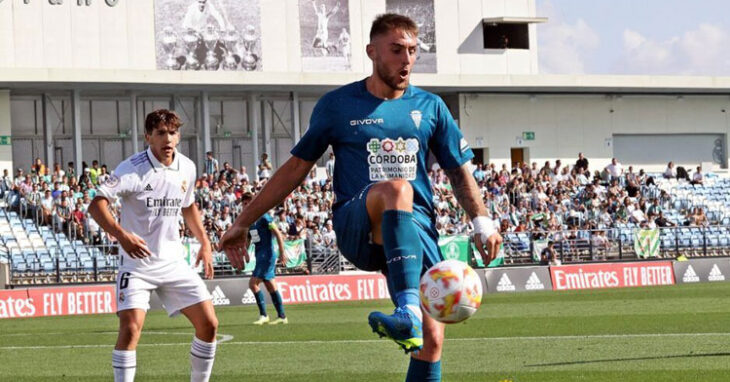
174 166
364 90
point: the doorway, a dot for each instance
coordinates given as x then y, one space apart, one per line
518 155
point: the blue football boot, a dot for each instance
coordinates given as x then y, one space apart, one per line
403 327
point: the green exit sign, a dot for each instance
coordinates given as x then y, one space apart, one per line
528 135
4 140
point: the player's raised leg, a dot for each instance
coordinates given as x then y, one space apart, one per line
390 208
124 356
253 284
202 351
277 301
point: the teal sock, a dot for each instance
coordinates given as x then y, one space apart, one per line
403 254
423 371
260 302
278 303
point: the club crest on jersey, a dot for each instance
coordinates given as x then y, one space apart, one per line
416 117
112 181
184 186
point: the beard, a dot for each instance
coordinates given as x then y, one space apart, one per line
392 80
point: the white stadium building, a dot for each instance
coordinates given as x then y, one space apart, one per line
78 76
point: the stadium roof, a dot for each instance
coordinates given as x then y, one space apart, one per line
45 80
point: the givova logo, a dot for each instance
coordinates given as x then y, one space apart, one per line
366 121
219 298
716 274
505 284
690 276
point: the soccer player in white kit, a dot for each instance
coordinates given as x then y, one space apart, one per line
155 186
323 18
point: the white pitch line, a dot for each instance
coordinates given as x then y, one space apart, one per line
227 340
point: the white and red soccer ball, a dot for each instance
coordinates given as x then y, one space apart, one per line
451 291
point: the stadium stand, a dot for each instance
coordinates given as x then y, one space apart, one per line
47 241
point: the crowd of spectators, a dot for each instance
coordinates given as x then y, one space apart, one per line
555 197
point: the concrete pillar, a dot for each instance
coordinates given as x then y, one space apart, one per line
76 127
48 148
296 133
255 118
205 119
133 122
268 125
6 150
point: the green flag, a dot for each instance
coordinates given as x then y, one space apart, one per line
646 243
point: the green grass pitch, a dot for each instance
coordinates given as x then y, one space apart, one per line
677 333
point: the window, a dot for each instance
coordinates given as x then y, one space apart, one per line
506 35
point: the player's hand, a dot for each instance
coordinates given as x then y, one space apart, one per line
206 256
134 245
235 245
488 246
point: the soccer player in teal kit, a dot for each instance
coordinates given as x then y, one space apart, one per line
263 233
381 130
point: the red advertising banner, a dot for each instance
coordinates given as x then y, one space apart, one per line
313 289
39 302
612 275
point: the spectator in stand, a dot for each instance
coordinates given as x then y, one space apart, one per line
70 171
662 221
78 218
615 169
57 171
6 184
670 172
548 256
211 164
94 172
330 166
242 175
263 172
698 177
103 174
84 179
228 173
581 163
61 215
39 167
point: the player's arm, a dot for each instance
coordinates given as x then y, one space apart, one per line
134 245
280 242
195 224
281 184
467 194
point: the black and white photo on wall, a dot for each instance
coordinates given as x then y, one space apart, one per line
208 34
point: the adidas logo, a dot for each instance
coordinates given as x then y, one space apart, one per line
716 274
248 297
219 298
534 283
504 284
690 276
148 188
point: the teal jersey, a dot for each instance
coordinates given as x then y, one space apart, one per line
262 238
376 140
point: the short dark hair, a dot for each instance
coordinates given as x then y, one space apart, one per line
246 196
388 21
161 117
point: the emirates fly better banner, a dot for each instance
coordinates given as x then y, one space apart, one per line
612 275
57 301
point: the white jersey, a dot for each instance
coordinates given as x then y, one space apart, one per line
152 196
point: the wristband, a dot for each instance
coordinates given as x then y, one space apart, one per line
483 225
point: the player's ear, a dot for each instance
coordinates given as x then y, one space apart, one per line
370 49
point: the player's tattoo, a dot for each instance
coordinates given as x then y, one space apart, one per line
466 191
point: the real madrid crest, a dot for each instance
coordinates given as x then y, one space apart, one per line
184 186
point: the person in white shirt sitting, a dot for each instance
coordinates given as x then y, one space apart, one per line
698 177
670 172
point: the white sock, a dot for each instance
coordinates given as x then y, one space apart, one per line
416 310
125 365
202 355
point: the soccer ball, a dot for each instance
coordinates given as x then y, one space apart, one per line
451 291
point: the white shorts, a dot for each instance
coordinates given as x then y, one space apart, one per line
177 285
